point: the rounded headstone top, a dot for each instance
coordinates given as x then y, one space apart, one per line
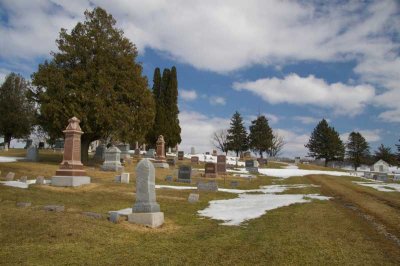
114 149
145 166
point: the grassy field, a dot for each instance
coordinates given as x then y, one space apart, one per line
353 228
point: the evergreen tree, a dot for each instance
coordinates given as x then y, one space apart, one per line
398 153
325 143
237 135
385 153
17 113
357 149
94 76
260 137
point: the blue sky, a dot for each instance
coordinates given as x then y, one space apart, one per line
294 61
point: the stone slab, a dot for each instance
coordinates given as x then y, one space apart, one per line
69 181
40 180
24 204
93 215
207 186
161 165
54 208
125 178
149 219
193 198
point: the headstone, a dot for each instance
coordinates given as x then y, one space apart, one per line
207 186
193 198
146 210
247 154
10 176
137 152
124 148
171 161
262 161
71 172
192 150
150 153
180 155
160 161
368 175
93 215
125 178
221 164
210 170
251 166
382 177
28 143
23 179
215 153
117 179
136 145
54 208
194 160
100 152
112 160
59 144
297 160
32 154
169 150
115 217
24 204
169 178
185 174
40 180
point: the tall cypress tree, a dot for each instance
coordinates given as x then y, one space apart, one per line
157 127
357 149
260 137
173 129
237 135
325 143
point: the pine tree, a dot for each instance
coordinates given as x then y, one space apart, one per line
16 111
398 153
95 77
237 135
159 121
357 149
173 129
260 137
385 153
325 143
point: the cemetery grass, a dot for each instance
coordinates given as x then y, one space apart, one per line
320 232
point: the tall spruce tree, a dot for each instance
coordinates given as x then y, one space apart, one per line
260 137
325 143
95 77
237 135
357 149
17 113
398 153
385 153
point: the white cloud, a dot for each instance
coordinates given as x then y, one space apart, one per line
188 95
307 120
217 100
294 143
373 135
293 89
197 130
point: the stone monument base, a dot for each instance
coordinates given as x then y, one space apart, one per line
161 164
69 181
184 180
150 219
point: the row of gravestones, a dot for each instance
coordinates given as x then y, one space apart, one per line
39 180
381 176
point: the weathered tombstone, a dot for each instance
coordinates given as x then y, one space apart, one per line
210 170
214 153
221 164
40 180
262 161
112 160
192 151
180 155
207 186
124 148
150 153
146 210
171 161
185 174
160 161
251 166
193 198
10 176
100 152
117 179
71 172
194 160
169 150
23 179
32 154
125 178
169 178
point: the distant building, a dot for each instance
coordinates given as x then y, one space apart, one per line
380 166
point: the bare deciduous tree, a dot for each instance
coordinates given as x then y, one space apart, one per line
277 145
219 140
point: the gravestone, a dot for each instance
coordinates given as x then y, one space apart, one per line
40 180
221 164
125 178
251 166
185 174
247 154
117 179
192 151
180 155
146 210
71 172
368 175
262 161
124 148
194 160
150 153
193 198
54 208
169 178
214 153
23 179
32 154
10 176
207 186
382 177
297 160
112 160
210 170
160 161
171 161
100 152
58 144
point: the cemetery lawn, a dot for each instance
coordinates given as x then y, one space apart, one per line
352 228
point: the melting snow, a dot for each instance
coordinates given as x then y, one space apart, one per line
5 159
385 187
285 173
19 184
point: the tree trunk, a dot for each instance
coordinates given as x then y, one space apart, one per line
7 140
85 143
261 154
326 163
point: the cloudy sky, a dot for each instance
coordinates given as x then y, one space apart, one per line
294 61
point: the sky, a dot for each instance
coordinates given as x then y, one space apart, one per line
294 61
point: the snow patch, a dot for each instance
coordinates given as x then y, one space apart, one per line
285 173
385 187
19 184
5 159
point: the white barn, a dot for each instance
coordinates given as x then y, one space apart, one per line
380 166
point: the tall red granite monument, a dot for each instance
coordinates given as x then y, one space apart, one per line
71 172
160 161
